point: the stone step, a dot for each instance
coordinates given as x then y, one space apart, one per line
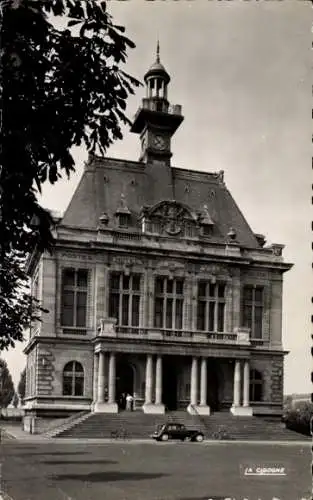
139 425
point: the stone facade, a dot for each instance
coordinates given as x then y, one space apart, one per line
161 291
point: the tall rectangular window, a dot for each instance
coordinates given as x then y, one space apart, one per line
252 310
124 298
211 307
168 303
74 297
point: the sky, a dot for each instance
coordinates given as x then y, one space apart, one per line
241 69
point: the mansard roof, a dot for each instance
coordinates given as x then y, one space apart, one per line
105 181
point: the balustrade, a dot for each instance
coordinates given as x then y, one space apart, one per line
108 328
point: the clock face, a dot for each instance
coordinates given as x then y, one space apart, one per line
159 142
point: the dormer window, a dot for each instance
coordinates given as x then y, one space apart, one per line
124 220
206 222
207 230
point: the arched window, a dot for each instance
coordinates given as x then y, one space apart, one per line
73 379
256 385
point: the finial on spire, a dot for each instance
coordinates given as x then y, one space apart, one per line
158 52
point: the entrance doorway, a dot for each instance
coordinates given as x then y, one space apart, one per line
169 382
212 384
124 382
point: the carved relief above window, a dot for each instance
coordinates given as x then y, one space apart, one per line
171 218
123 213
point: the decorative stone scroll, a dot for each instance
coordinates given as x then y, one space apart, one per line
170 267
170 217
127 261
256 273
75 256
243 335
277 249
215 270
107 327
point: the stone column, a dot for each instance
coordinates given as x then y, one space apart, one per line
101 406
193 385
95 376
158 381
112 377
157 407
101 377
149 379
203 408
237 409
203 382
237 383
246 383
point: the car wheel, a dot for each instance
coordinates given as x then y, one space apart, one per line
199 438
165 437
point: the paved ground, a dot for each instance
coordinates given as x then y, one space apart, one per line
151 471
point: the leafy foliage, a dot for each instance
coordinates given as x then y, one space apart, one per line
6 385
18 308
21 388
62 87
15 400
299 417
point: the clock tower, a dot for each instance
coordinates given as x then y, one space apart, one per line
156 120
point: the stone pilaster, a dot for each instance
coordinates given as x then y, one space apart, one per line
228 307
144 301
276 313
235 310
150 297
193 302
187 311
101 279
48 327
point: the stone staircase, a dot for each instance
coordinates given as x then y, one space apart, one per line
137 425
68 423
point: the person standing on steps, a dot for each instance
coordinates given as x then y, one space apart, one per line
129 402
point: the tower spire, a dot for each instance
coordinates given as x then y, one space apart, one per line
158 52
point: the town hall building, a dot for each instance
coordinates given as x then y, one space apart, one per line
157 288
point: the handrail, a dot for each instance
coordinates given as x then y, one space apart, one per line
58 423
200 418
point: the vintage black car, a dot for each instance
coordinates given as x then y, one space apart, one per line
177 431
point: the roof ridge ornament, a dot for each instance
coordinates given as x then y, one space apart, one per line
158 51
